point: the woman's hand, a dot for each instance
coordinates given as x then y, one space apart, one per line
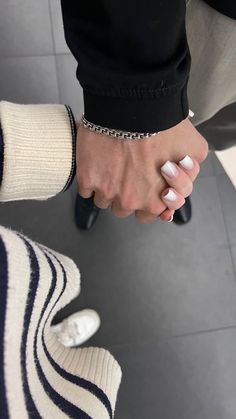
180 179
127 175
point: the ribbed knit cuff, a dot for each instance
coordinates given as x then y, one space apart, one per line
149 115
1 154
38 150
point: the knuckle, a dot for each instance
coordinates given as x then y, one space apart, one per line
84 186
156 209
203 153
180 204
147 219
118 213
197 169
99 199
84 181
188 190
108 193
126 207
127 204
108 196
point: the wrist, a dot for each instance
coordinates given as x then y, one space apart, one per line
38 150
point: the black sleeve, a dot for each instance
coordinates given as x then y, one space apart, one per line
227 7
133 61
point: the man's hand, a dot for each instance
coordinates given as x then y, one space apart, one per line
127 176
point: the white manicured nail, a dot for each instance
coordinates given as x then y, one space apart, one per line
191 113
187 163
171 219
170 196
169 169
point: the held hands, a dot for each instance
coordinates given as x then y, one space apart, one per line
149 177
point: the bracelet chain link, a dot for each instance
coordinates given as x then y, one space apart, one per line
122 135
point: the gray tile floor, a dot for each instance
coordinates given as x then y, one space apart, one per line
166 295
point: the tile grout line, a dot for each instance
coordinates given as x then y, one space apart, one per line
7 57
174 337
215 163
210 161
200 178
226 229
203 332
200 332
54 51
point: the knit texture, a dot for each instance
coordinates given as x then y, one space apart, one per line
40 378
38 150
1 154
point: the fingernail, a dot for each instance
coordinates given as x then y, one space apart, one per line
191 113
171 219
187 163
169 169
170 196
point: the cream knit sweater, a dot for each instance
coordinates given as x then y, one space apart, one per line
39 143
40 378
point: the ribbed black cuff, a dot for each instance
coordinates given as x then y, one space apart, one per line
137 114
73 137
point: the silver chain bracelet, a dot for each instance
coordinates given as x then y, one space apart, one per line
122 135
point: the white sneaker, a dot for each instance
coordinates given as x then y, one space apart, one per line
77 328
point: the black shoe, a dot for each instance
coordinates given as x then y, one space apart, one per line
184 214
86 212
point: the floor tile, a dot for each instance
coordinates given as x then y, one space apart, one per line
191 377
148 283
217 166
41 220
70 89
233 251
207 167
228 202
220 129
160 279
25 28
29 80
167 280
58 31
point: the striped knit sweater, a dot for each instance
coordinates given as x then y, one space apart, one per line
40 378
